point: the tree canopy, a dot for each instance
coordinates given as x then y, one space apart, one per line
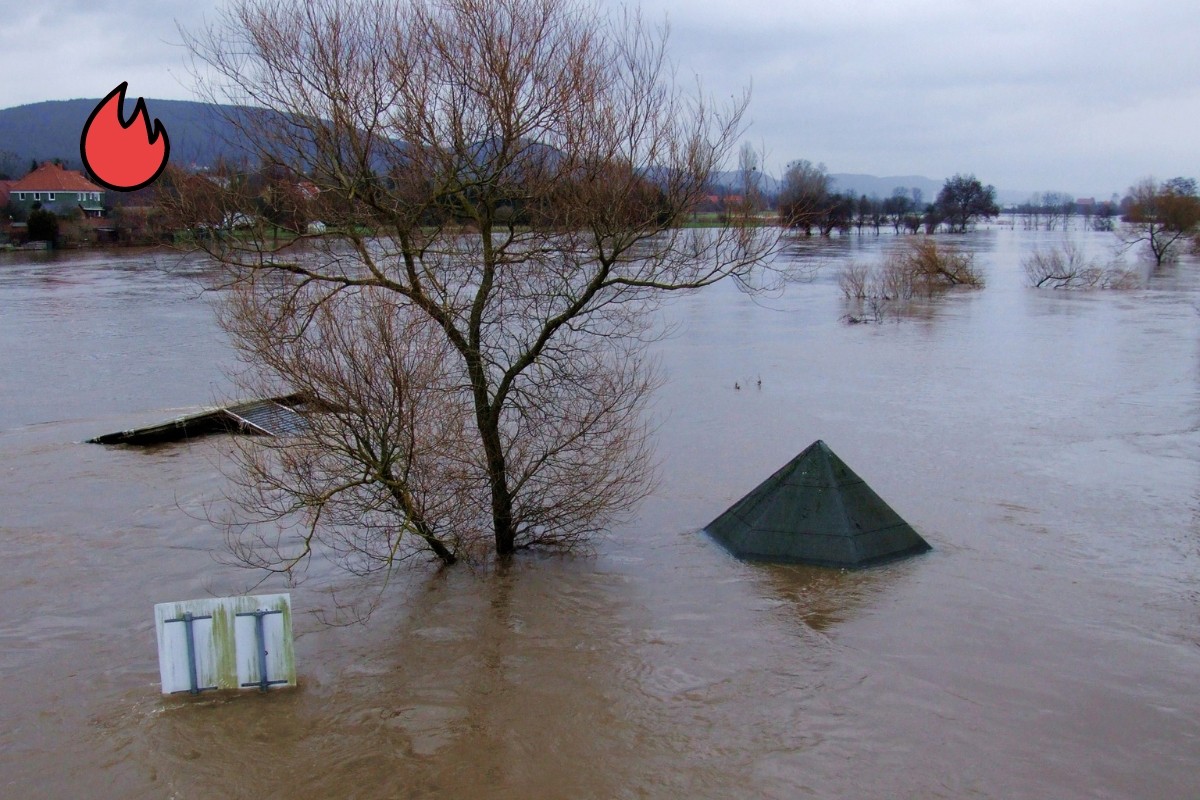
963 199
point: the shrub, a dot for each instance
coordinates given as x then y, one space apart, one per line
855 280
43 226
927 269
1064 267
920 268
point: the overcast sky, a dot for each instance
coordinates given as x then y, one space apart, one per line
1083 97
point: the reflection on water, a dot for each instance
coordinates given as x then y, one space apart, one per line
821 597
1045 443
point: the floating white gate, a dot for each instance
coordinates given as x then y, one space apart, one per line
225 643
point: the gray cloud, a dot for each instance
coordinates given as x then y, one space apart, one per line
1083 97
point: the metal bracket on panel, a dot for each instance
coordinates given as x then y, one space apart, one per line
187 619
260 637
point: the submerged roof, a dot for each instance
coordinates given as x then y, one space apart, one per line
275 416
816 510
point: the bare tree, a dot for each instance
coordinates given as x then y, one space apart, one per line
921 267
1065 267
898 206
1161 216
504 178
10 165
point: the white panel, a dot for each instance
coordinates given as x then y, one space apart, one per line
226 645
173 653
276 640
172 658
246 646
279 646
206 652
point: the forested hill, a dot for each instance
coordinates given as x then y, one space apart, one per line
49 130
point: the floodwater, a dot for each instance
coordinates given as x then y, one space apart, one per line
1047 444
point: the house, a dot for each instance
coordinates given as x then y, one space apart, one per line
62 191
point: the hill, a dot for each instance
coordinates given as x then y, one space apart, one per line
873 186
731 181
199 138
51 129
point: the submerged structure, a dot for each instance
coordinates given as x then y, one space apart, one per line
274 416
816 510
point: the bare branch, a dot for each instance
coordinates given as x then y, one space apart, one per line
499 186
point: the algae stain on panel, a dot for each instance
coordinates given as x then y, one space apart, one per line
220 650
224 647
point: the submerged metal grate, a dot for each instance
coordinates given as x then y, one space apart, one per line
269 417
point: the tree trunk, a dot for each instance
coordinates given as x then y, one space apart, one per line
502 521
487 422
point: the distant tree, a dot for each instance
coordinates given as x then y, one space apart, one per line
896 207
9 165
12 213
878 214
931 219
804 196
750 168
206 204
1103 215
864 212
1184 187
838 214
1048 210
140 225
1057 208
963 199
43 226
1161 216
281 199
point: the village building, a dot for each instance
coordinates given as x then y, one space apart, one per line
63 191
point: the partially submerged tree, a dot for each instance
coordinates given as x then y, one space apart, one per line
963 199
1161 216
804 196
920 268
1048 209
506 177
1064 266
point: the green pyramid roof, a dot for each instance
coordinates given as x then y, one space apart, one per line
815 510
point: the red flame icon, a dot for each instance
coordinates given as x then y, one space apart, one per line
118 154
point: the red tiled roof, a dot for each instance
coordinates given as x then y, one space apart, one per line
53 178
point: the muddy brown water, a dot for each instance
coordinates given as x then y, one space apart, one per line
1046 443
